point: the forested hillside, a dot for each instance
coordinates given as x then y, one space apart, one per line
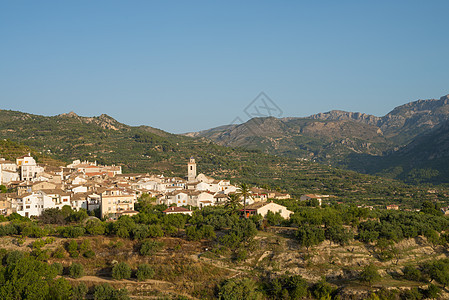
144 149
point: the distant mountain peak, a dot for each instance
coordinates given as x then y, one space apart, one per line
70 114
338 115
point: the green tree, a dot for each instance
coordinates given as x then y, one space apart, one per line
193 233
239 289
339 235
79 291
432 292
288 287
150 247
24 277
59 268
177 220
144 272
95 227
274 219
244 191
72 248
439 271
76 270
59 252
323 290
106 292
233 202
121 271
412 273
308 236
60 290
370 274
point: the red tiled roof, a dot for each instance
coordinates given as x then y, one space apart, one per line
176 209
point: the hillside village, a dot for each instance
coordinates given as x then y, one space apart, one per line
90 186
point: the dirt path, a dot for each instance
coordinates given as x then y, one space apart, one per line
137 289
110 280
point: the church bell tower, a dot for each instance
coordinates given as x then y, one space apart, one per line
191 170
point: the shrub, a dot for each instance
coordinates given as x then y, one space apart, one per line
412 273
59 253
40 254
121 271
155 231
85 245
79 292
244 288
76 270
106 292
95 227
369 274
144 272
103 292
150 247
432 292
89 254
193 233
60 289
323 290
53 216
8 229
38 244
39 232
208 232
13 257
439 271
289 287
59 269
240 254
72 248
170 230
140 232
72 232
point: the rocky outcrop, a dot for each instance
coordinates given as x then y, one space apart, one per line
338 115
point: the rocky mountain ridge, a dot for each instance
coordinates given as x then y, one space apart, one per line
345 139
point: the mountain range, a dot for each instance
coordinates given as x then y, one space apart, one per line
63 138
408 143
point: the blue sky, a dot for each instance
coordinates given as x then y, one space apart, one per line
190 65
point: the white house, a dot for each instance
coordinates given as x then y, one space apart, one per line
58 198
87 201
79 189
28 169
7 176
177 210
179 198
29 204
8 171
262 208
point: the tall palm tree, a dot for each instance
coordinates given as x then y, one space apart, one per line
232 202
244 192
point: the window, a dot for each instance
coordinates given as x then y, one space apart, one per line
27 206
